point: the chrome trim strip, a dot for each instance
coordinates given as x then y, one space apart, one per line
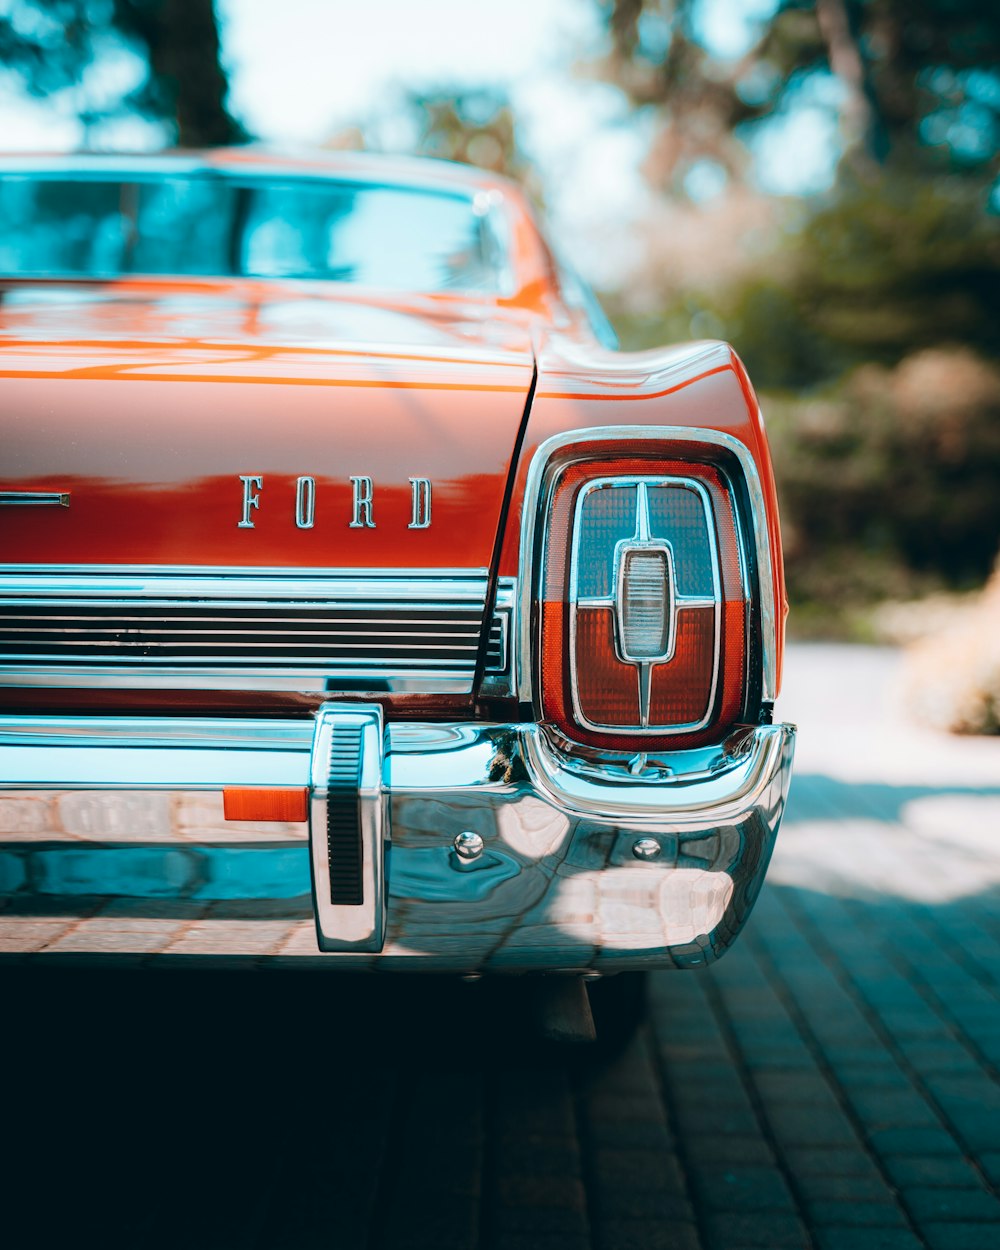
531 525
35 498
424 680
121 753
236 583
192 753
344 926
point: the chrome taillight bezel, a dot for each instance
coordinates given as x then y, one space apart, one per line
684 444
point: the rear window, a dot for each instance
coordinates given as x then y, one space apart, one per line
394 237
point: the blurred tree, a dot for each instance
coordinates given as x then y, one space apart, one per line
854 285
52 44
880 299
917 80
475 126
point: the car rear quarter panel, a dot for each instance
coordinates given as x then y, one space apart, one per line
698 386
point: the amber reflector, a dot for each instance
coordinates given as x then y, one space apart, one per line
256 804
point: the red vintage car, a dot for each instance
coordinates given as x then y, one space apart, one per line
360 603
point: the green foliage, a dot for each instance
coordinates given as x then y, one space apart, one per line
899 263
475 126
917 80
888 482
51 44
472 126
884 268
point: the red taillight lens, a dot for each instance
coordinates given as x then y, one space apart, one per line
643 607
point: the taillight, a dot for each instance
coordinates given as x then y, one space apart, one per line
643 606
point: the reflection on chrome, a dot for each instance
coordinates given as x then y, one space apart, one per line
135 855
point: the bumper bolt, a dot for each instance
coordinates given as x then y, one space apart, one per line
646 848
468 845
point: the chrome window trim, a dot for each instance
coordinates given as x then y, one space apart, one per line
532 527
679 603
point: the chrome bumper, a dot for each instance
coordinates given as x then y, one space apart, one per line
113 840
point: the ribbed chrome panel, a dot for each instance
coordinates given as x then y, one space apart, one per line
238 629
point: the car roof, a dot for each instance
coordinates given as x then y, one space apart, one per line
257 161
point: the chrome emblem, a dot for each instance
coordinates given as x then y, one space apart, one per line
420 489
361 516
362 501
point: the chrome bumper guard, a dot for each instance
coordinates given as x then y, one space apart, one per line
348 828
505 853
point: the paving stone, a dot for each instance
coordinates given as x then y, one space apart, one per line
881 1108
808 1161
743 1189
927 1205
542 1191
541 1157
774 1230
796 1125
630 1135
852 1237
960 1236
537 1239
710 1150
989 1161
721 1120
617 1234
638 1169
949 1171
807 1087
865 1214
616 1202
564 1221
846 1189
915 1141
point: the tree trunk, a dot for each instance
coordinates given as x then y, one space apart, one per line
864 135
183 41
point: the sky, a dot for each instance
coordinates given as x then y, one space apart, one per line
300 70
579 133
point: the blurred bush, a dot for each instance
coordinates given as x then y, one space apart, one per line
889 266
951 680
890 482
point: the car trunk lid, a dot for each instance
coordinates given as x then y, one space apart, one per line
237 428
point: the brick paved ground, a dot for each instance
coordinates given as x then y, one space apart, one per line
833 1083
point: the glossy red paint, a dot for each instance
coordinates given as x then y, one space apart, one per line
149 424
